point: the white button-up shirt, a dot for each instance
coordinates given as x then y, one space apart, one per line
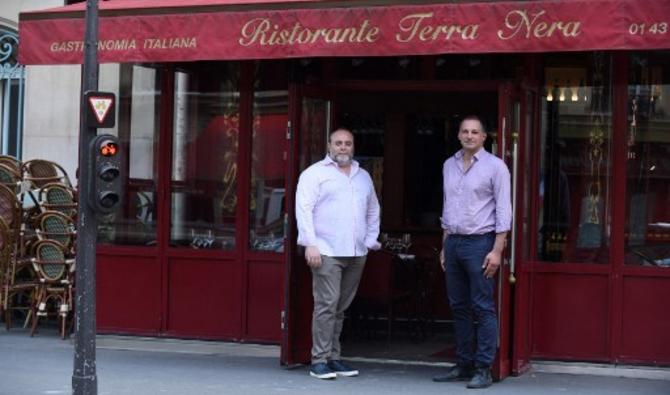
338 214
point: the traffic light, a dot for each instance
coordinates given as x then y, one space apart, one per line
106 187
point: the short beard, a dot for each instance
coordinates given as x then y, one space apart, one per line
342 159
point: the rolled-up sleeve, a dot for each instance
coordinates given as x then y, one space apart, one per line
306 197
503 199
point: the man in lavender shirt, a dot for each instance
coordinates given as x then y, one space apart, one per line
338 221
476 217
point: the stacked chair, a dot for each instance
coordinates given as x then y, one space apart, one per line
38 213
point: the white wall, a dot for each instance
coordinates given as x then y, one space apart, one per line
51 122
9 11
51 100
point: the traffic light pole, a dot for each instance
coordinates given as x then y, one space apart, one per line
84 377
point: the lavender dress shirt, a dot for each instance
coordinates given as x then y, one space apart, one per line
476 201
338 214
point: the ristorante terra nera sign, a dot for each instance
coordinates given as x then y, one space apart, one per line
542 26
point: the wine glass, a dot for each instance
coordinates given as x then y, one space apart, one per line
383 239
406 242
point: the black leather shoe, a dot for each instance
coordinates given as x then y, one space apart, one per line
481 379
455 373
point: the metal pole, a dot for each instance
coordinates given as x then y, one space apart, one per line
84 377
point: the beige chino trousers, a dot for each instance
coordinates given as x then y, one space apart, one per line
334 286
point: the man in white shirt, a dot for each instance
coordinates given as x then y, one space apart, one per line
338 222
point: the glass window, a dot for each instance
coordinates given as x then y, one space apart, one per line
647 231
478 67
268 159
139 90
314 130
204 156
12 85
574 189
379 68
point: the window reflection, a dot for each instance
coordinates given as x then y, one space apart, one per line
647 231
574 189
134 222
268 164
204 165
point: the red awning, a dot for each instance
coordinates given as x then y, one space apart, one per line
189 30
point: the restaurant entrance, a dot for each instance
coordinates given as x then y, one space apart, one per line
403 134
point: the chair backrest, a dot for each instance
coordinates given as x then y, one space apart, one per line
58 197
49 262
12 162
10 177
56 226
10 208
41 172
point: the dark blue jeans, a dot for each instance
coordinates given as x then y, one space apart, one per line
471 298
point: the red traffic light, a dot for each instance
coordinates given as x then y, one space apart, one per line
108 148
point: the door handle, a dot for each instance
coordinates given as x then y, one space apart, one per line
515 170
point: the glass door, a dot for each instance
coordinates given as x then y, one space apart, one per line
311 111
518 117
506 147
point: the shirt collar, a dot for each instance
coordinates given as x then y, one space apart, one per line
478 155
328 161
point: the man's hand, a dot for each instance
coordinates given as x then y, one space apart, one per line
491 263
313 256
442 259
376 246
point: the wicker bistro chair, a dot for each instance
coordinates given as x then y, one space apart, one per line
58 197
18 279
41 172
6 248
10 207
18 284
54 288
12 162
54 225
10 177
11 211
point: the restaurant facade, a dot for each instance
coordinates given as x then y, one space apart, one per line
222 103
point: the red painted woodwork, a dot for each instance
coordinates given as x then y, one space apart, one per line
298 304
645 320
568 311
507 99
204 298
128 294
570 316
265 298
521 290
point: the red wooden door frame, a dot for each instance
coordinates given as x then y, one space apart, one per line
294 348
521 279
297 311
508 96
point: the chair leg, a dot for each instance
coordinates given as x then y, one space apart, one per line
38 306
33 327
6 307
8 312
63 313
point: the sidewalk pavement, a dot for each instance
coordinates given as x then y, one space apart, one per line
139 366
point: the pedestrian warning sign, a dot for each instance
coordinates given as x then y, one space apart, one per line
100 109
